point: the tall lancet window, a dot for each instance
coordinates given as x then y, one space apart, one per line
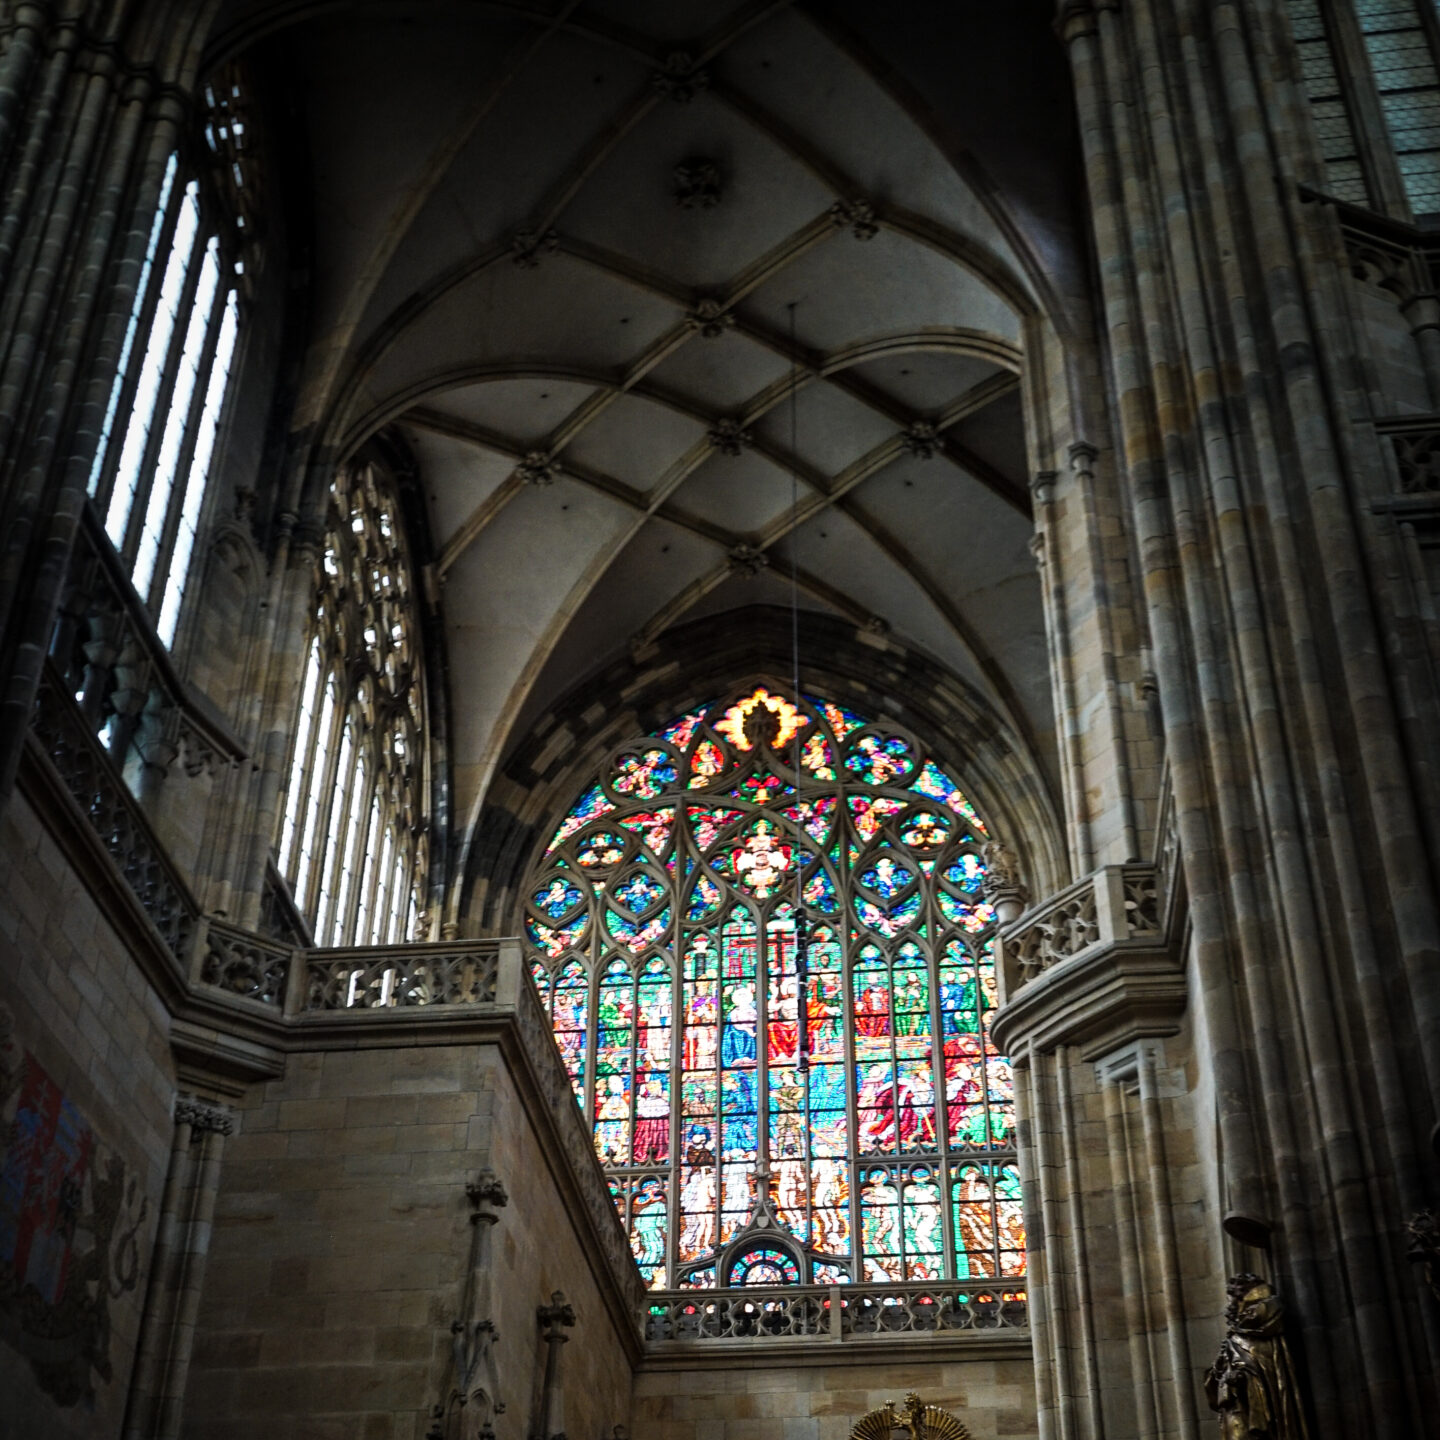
353 830
159 432
777 1103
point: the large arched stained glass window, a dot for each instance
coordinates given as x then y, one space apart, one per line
874 1123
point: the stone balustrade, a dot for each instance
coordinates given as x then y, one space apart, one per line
105 653
1092 964
837 1313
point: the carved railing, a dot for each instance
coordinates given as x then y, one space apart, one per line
1415 442
88 774
244 964
837 1312
1118 903
108 657
457 973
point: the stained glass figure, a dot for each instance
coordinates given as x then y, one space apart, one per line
661 926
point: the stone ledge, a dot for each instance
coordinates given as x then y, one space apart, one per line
1102 998
786 1352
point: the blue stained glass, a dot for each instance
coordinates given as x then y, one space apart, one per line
601 850
638 892
557 899
819 893
765 1265
966 873
555 940
644 776
590 805
682 731
684 1063
886 878
933 781
880 761
888 922
816 816
704 899
637 934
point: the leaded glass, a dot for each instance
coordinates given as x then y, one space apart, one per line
865 1110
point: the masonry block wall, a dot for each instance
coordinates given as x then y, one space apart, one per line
341 1243
86 1089
994 1397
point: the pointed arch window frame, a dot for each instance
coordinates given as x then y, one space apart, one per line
612 834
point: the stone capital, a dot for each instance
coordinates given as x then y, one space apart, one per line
200 1116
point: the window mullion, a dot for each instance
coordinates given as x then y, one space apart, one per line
205 361
129 361
164 393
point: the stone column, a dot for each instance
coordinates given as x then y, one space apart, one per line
177 1272
90 107
1292 973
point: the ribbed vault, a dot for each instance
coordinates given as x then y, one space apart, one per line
675 305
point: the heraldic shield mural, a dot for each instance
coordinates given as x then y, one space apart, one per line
70 1218
755 851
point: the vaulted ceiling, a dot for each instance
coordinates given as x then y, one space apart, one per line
682 306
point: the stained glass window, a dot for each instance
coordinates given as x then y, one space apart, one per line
762 939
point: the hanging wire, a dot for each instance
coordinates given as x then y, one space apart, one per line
802 945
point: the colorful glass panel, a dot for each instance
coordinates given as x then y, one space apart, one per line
870 1102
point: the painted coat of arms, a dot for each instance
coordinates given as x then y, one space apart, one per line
68 1226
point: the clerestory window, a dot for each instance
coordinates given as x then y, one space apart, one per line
1370 72
159 432
353 831
752 853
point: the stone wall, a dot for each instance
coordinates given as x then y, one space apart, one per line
87 1088
994 1398
341 1243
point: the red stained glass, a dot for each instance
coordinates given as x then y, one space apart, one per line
886 1118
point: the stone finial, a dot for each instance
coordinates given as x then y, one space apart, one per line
697 184
729 437
486 1193
1001 884
858 215
922 440
710 317
556 1317
680 79
527 246
747 560
538 467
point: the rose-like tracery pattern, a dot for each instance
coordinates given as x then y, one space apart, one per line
660 921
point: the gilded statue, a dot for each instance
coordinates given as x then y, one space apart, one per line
1251 1385
917 1420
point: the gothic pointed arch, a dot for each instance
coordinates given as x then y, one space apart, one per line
764 935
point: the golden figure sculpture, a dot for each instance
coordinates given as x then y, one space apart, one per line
917 1420
1251 1385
